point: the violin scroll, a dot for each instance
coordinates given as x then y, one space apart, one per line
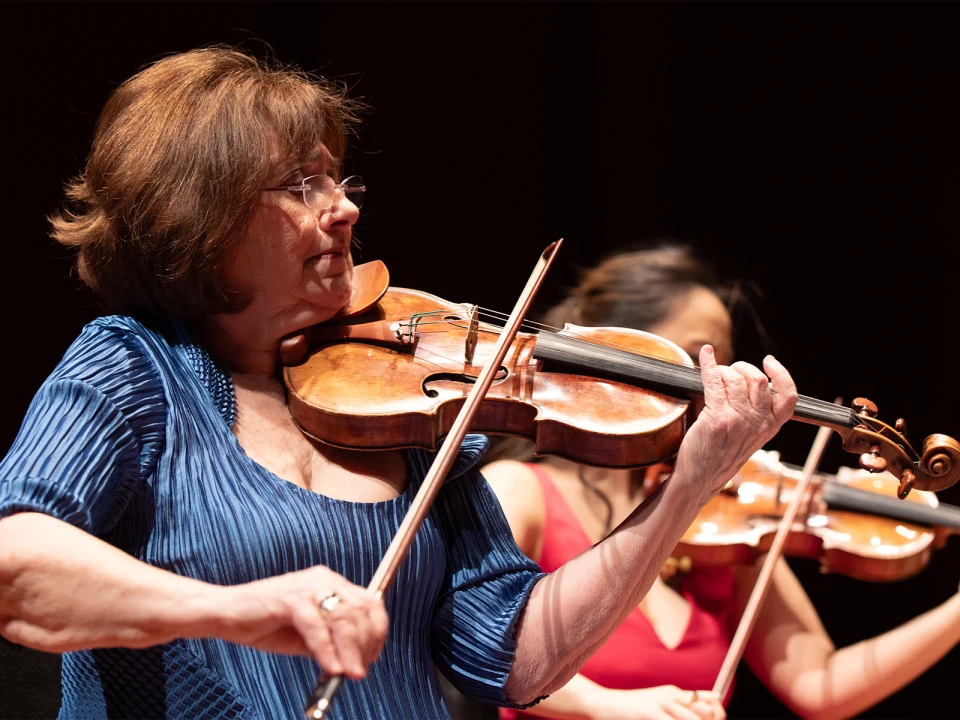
882 447
940 461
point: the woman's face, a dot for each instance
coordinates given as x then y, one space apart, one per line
698 318
294 262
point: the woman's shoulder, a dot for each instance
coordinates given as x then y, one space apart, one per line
120 324
152 355
108 345
116 332
513 479
118 358
520 493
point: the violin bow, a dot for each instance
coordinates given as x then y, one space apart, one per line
323 694
739 643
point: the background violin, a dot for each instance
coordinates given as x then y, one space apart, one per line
851 522
394 369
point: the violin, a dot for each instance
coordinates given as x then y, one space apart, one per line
393 369
852 522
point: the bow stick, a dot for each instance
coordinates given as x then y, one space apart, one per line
722 686
319 702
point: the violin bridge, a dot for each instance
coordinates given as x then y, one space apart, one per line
403 332
472 335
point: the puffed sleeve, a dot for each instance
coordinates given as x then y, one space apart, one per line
487 584
91 435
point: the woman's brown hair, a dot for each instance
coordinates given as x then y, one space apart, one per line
180 155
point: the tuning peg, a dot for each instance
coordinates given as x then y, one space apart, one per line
872 462
900 426
906 484
864 407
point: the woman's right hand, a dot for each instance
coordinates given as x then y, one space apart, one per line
283 614
665 702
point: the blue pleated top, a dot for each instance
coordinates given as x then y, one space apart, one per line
129 439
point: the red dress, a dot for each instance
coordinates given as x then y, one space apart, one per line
634 657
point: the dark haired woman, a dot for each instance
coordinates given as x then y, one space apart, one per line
676 639
169 529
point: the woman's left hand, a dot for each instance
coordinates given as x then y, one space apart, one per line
664 702
743 409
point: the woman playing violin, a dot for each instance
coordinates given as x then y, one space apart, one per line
676 639
169 529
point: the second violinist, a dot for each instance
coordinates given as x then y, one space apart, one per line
675 640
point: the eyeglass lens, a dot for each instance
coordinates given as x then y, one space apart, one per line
320 190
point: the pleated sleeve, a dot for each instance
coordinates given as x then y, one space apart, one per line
91 435
487 585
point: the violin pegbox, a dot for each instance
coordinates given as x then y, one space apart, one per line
882 447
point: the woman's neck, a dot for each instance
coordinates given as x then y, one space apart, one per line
239 345
617 485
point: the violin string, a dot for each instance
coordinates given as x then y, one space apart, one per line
525 325
563 333
614 350
602 346
605 347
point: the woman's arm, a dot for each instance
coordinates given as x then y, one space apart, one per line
572 611
63 589
790 651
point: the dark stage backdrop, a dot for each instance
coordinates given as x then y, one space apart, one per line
809 150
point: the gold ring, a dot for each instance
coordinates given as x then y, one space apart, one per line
694 696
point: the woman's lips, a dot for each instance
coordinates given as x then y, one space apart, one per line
330 260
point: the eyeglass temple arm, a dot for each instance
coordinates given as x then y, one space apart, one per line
343 188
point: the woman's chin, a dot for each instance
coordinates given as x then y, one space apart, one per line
340 288
323 303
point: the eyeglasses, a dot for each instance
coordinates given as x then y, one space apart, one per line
320 190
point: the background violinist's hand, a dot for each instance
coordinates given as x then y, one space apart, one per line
666 702
283 614
740 415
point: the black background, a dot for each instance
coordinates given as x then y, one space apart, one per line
810 150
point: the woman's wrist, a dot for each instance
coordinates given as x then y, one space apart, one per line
197 609
693 484
601 702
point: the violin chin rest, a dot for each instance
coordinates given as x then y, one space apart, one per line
370 283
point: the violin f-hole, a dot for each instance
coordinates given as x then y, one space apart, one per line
501 375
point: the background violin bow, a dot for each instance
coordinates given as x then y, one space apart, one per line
759 593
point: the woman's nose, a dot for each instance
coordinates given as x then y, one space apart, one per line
341 212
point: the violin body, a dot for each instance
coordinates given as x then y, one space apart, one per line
740 523
395 366
397 374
